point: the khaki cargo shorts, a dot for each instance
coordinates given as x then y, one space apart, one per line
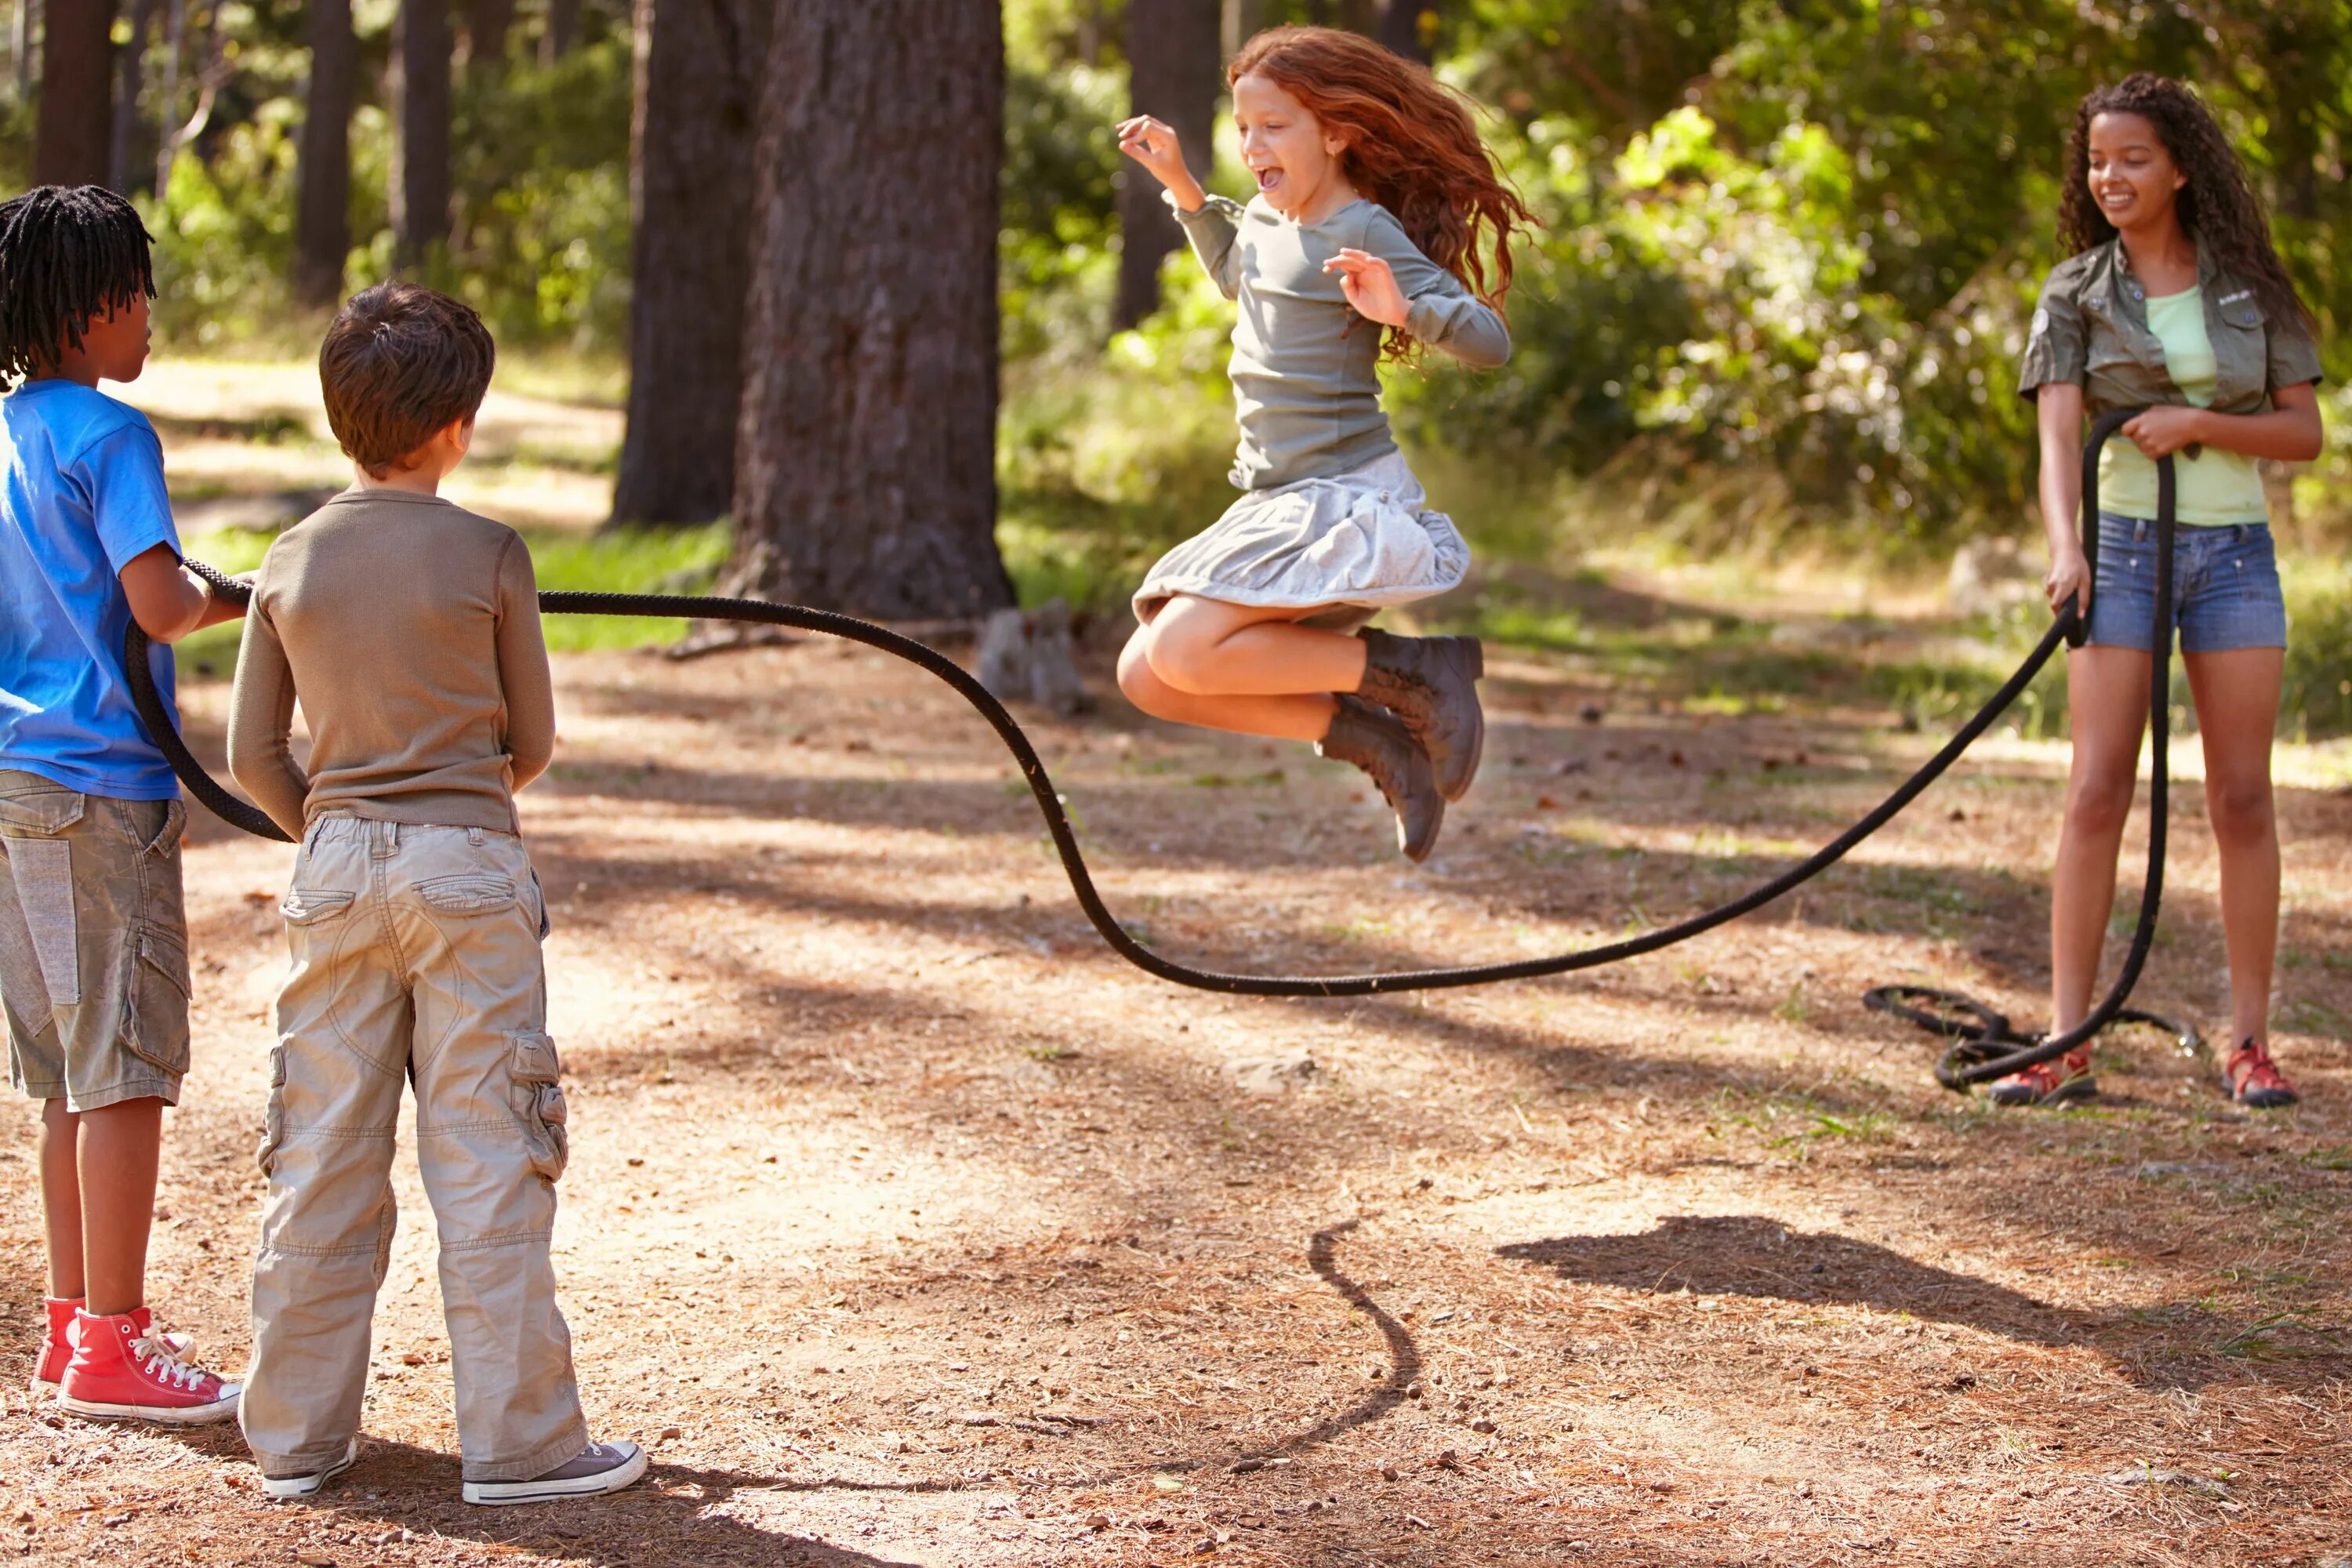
93 944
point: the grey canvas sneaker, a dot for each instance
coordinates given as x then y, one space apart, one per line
598 1468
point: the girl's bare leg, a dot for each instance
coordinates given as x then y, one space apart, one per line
2237 695
2107 701
1213 649
1231 667
1296 718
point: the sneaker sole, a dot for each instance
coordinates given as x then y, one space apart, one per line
1473 660
290 1489
164 1416
497 1494
42 1388
2073 1089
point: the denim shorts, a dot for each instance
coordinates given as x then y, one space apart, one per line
2225 587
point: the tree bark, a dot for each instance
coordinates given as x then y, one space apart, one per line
1406 26
698 66
1172 72
488 24
74 122
562 33
323 171
130 64
420 183
864 474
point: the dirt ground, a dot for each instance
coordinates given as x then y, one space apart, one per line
907 1225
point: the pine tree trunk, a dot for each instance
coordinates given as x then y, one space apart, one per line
1406 26
130 71
864 475
420 184
697 95
74 122
488 23
1172 72
562 33
324 172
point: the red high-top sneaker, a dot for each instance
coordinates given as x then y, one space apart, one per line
56 1350
122 1368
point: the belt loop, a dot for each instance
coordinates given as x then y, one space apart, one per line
474 837
2139 530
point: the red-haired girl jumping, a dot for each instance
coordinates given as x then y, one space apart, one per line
1375 204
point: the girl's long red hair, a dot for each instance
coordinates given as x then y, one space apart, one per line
1412 147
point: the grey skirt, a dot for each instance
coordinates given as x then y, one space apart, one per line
1346 547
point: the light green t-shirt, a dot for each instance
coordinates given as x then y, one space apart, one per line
2215 488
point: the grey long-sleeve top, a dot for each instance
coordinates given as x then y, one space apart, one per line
1303 369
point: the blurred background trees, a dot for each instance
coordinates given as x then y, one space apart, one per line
1791 246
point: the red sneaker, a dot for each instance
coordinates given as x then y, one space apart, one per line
56 1350
2048 1083
2253 1079
122 1368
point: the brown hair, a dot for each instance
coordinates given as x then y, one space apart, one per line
2217 206
400 361
1412 146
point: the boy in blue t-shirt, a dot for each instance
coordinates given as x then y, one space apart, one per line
93 938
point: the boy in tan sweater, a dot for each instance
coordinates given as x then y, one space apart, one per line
409 629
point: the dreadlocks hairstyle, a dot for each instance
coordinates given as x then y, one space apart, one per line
1412 146
2217 206
67 253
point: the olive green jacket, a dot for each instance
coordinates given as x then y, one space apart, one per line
2091 329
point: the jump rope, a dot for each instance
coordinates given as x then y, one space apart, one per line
1983 1044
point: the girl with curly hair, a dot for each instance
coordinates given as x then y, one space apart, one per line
1375 210
2174 302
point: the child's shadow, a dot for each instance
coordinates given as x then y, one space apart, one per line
665 1518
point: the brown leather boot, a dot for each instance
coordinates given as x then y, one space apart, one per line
1431 684
1377 742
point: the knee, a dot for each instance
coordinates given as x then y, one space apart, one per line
1183 659
2099 800
1136 679
2240 809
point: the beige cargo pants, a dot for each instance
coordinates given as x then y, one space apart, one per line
416 954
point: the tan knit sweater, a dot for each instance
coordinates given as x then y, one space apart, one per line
408 628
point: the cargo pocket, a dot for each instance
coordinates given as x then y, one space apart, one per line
467 895
42 871
155 1018
273 1119
309 906
540 1103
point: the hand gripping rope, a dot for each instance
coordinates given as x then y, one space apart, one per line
1954 1073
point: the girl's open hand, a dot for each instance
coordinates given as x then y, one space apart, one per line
1371 287
2167 427
1152 143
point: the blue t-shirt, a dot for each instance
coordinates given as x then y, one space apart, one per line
83 497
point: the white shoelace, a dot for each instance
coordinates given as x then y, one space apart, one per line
155 1359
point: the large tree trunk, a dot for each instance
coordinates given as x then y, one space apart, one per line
1172 72
864 474
420 183
76 120
129 63
697 64
487 25
324 169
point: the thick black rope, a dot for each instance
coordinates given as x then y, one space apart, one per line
239 814
1974 1059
